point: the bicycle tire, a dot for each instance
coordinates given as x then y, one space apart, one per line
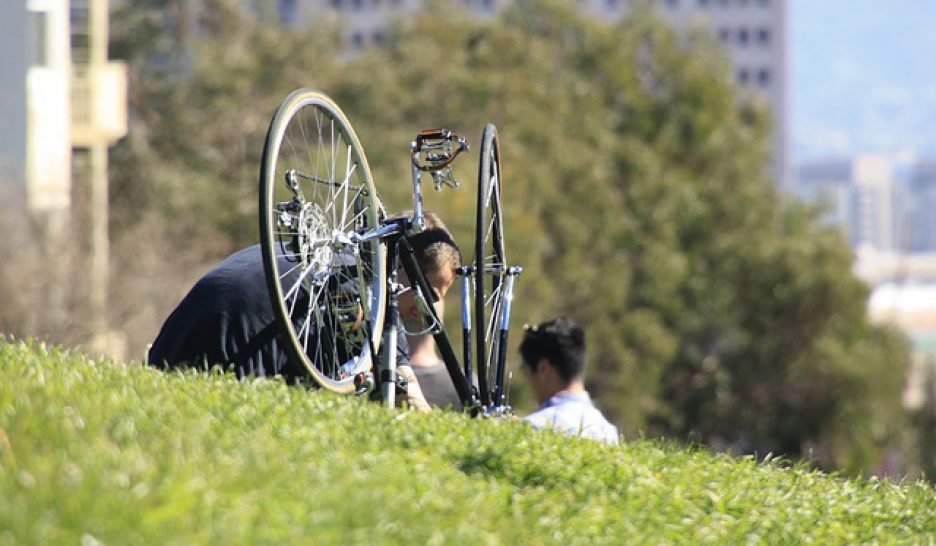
490 271
328 294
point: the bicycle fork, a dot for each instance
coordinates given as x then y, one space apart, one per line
386 375
500 396
467 275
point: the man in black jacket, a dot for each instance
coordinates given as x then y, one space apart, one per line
227 318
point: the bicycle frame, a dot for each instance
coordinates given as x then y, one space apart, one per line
436 159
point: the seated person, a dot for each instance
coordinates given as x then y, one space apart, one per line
227 317
554 361
430 371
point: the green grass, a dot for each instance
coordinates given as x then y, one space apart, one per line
97 451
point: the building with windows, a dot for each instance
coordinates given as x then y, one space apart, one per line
35 105
62 105
754 34
859 195
879 210
60 97
888 221
921 208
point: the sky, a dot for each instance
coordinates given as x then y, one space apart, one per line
863 78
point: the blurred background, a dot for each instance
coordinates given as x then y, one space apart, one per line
735 197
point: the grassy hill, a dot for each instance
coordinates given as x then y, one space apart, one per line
98 452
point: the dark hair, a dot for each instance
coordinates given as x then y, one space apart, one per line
561 342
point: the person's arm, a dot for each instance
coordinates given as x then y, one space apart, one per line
414 395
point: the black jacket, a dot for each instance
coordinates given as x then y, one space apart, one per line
227 319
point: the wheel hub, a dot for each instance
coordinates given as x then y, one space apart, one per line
315 249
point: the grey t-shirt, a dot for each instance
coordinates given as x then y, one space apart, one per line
437 387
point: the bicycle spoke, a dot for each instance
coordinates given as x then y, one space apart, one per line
349 169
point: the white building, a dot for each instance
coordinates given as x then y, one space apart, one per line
754 33
58 94
62 104
859 195
912 308
35 105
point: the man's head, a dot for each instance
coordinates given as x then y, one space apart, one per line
554 356
437 255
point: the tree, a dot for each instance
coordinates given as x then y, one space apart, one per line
636 198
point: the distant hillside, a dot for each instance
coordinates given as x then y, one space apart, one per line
99 452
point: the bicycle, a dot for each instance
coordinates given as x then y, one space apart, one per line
324 227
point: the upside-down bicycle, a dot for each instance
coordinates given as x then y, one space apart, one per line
324 228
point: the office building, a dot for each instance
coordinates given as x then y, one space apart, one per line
60 98
921 208
35 105
858 195
62 105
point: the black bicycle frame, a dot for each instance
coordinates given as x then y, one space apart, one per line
461 383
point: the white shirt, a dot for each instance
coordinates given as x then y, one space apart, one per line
573 413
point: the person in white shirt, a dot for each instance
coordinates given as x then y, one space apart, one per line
554 361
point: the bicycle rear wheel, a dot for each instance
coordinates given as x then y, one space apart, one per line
328 294
490 273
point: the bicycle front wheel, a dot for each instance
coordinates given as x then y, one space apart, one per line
316 190
490 272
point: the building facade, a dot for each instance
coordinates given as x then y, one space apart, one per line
35 105
753 32
921 208
58 95
62 105
859 195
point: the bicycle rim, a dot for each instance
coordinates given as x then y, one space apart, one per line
328 294
490 270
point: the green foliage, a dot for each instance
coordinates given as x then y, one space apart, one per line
636 199
99 451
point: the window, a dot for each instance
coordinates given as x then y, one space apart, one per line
703 3
743 36
39 20
336 4
724 34
672 3
763 77
611 4
357 40
379 38
743 76
488 5
357 4
763 36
